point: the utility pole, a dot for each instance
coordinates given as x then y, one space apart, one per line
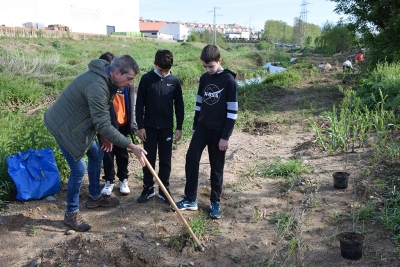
215 26
250 26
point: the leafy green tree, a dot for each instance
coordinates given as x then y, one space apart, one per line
194 37
335 38
313 31
278 31
301 31
379 24
207 37
308 40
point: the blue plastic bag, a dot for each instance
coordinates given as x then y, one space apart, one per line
34 173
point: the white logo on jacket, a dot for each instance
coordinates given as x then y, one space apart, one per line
212 94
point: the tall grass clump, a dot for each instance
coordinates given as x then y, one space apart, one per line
390 214
385 80
28 64
354 124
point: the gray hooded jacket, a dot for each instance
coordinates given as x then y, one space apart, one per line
82 110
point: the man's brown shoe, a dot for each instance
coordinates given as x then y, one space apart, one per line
103 201
76 222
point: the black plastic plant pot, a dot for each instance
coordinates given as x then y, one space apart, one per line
351 245
341 180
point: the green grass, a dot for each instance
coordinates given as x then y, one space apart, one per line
200 226
33 230
279 168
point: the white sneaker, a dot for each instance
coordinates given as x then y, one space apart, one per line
108 187
123 187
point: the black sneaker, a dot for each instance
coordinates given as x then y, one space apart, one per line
162 196
147 193
76 222
103 201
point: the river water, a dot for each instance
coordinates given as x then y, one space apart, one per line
272 69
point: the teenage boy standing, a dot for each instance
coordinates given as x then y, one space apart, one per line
215 116
159 93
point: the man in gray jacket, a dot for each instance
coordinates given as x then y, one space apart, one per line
80 112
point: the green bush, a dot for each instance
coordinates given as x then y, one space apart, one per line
56 44
385 77
263 45
283 78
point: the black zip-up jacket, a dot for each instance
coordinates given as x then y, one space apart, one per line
156 100
217 102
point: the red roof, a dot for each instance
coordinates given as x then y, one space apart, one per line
151 26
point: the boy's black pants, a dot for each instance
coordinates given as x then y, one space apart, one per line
201 138
161 138
121 158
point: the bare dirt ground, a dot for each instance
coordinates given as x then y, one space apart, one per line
150 234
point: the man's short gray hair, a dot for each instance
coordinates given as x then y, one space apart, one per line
124 63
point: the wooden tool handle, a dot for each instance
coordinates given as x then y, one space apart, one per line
200 246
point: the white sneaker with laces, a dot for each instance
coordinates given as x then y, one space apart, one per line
108 188
124 188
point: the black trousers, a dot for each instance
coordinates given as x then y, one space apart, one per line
161 139
201 138
121 158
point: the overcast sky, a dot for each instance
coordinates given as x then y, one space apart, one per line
243 12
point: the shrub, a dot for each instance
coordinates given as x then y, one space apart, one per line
263 45
283 78
386 78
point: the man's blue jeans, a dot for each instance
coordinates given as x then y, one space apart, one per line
77 174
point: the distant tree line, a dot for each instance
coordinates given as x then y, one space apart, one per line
329 39
301 33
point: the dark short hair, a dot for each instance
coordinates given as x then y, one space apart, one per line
210 53
164 59
124 63
107 56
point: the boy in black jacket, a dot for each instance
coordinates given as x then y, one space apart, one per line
215 116
159 93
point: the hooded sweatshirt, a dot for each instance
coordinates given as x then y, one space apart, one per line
217 102
157 98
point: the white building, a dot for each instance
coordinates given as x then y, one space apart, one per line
243 35
179 32
88 16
